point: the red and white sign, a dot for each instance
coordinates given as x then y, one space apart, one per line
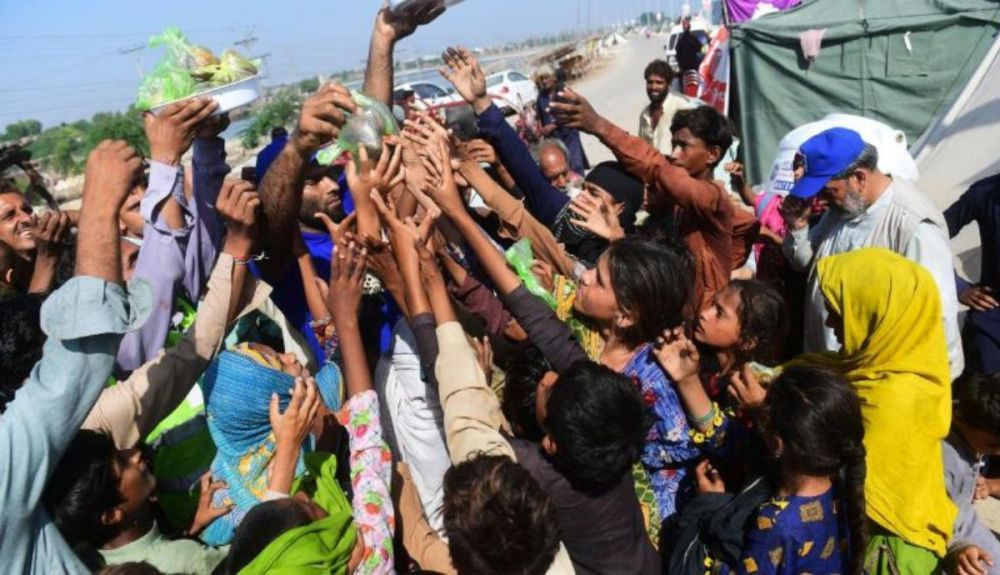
714 72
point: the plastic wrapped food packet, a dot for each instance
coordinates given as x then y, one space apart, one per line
764 374
521 257
367 127
399 6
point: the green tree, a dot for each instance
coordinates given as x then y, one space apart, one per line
22 129
309 85
281 110
126 126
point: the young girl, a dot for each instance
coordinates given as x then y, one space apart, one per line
815 520
740 324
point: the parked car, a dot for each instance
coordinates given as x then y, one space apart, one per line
429 93
512 87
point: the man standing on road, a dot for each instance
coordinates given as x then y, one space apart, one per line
654 122
688 49
866 209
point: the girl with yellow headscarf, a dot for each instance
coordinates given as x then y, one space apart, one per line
886 312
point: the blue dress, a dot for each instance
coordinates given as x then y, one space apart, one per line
669 452
795 535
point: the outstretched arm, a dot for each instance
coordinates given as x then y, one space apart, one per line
281 190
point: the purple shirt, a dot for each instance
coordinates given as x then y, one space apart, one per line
176 262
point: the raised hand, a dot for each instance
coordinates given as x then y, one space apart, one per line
172 131
398 25
51 231
677 355
598 216
338 232
238 203
575 111
347 278
212 127
322 116
795 212
445 194
480 151
111 171
291 427
463 71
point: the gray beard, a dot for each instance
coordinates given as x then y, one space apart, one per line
854 205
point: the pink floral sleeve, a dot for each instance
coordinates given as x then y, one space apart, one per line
371 473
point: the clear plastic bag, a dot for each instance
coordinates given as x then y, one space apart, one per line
367 128
521 257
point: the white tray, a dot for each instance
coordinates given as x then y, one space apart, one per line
229 97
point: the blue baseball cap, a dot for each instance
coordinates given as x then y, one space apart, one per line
826 156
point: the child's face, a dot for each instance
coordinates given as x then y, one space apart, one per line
136 481
982 442
718 323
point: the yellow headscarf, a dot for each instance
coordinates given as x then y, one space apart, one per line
895 355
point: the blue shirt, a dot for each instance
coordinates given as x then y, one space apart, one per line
266 156
84 321
791 535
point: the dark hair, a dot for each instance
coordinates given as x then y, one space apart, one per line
659 68
520 389
278 132
461 120
979 402
261 526
314 172
21 341
498 519
825 437
82 487
596 418
651 281
763 319
706 124
130 568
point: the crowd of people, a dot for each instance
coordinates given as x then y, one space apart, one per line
461 353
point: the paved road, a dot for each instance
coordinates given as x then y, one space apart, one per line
618 91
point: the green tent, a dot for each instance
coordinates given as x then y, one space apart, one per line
897 61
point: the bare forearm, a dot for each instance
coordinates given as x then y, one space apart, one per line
281 199
416 299
314 299
283 469
98 253
352 350
172 214
695 400
44 274
379 73
439 299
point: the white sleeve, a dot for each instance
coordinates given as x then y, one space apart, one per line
930 248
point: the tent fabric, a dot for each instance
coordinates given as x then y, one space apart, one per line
896 61
959 148
742 10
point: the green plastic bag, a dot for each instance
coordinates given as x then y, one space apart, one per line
367 127
520 256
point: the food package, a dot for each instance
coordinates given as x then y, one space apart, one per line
188 69
764 374
521 257
372 122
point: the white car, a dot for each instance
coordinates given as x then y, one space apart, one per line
512 87
431 94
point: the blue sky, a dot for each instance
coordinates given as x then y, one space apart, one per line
61 59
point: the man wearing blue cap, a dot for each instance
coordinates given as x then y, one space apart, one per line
867 208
